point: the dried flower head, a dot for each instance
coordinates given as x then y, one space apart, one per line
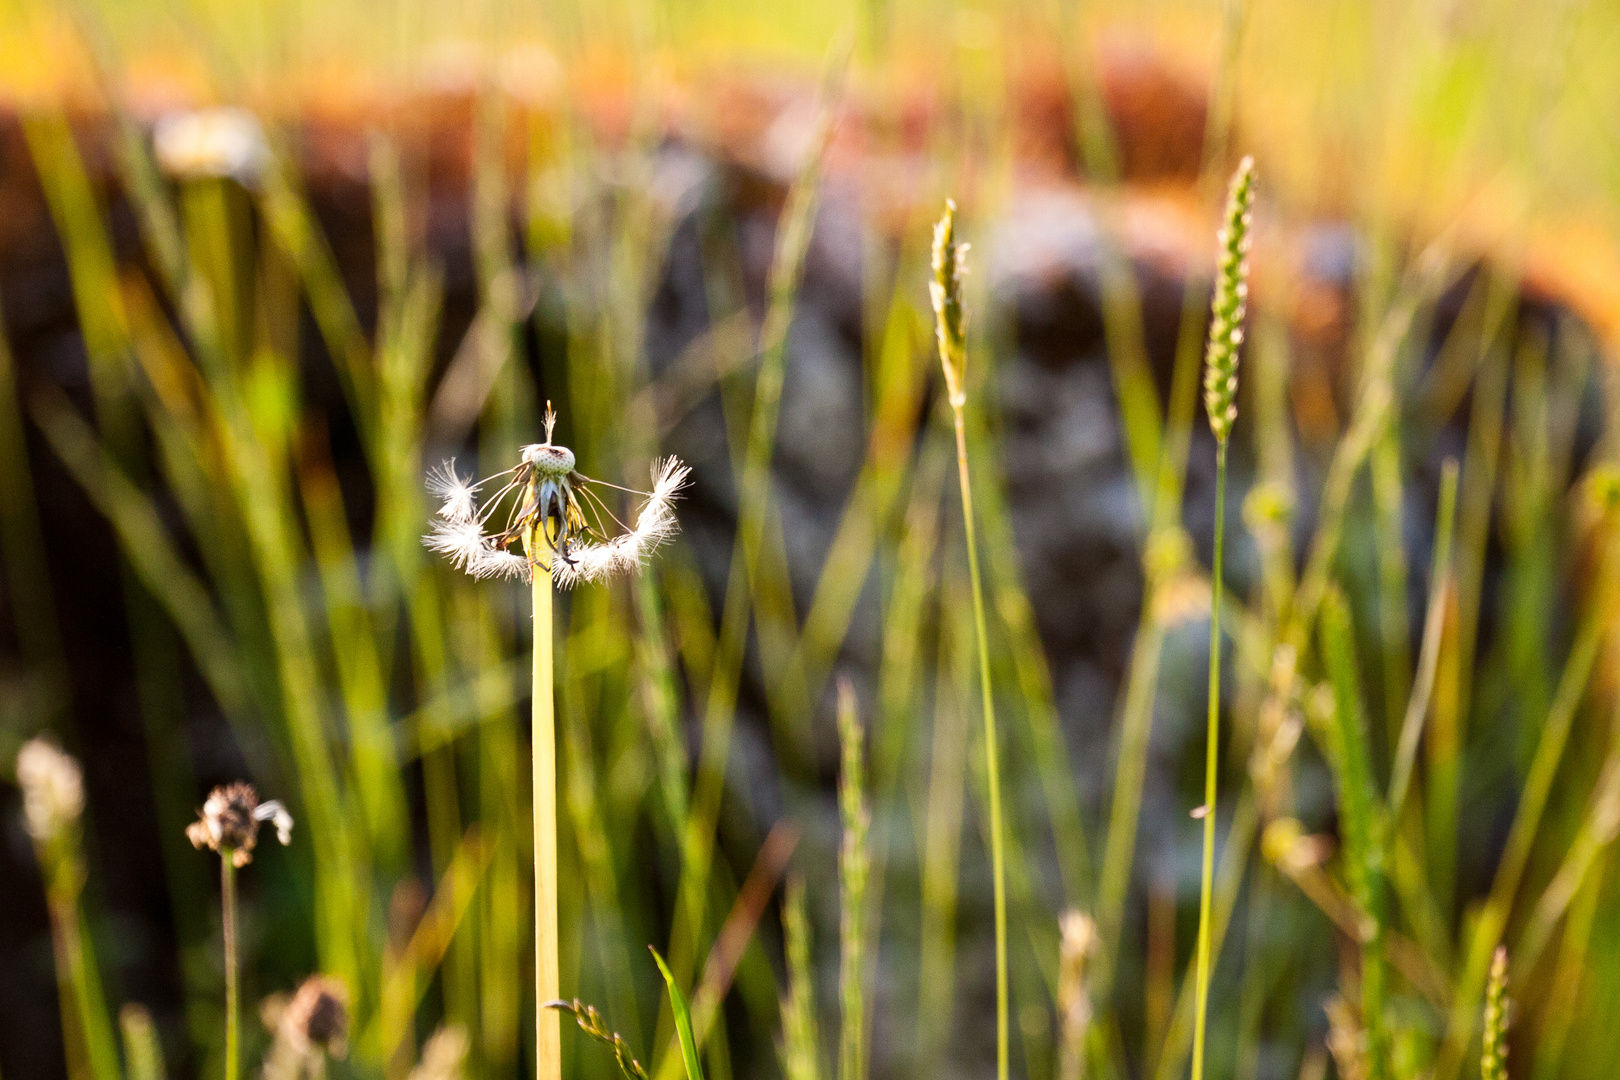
556 515
52 787
211 144
317 1017
1231 300
229 822
950 320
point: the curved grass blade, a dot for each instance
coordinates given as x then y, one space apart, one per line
683 1020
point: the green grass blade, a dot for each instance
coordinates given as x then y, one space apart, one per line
683 1020
1360 814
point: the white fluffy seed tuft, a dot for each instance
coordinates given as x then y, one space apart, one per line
456 494
625 554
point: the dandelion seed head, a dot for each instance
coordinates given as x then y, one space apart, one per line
548 510
550 461
52 787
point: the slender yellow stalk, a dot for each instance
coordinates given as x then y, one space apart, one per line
946 289
1220 402
548 1025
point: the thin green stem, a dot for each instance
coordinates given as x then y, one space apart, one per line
992 753
1206 885
233 1020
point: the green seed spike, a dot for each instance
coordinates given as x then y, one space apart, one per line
1493 1063
1231 298
591 1023
950 265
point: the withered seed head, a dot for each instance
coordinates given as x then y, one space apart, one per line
229 822
317 1018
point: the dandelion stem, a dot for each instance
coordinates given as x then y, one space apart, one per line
548 1025
1206 883
233 993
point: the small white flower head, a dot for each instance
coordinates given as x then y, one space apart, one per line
553 513
229 822
217 143
52 787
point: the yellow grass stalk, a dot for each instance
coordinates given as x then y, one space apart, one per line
950 264
1220 402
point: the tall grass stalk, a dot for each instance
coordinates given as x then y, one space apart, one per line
799 1049
940 828
1360 819
1220 401
950 264
1440 588
143 1054
53 803
854 870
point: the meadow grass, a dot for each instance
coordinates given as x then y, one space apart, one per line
379 694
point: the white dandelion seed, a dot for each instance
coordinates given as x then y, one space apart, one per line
627 552
276 815
229 821
457 496
498 563
462 542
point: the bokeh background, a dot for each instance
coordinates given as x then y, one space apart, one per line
228 368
